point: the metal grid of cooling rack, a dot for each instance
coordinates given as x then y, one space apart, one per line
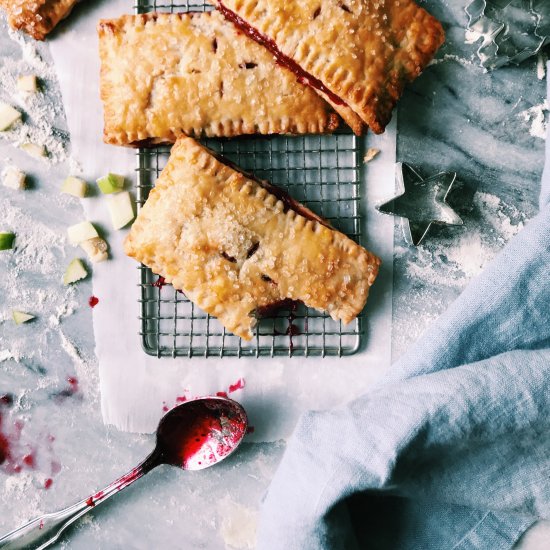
320 171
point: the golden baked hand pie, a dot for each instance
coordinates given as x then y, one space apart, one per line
36 17
164 75
357 53
235 245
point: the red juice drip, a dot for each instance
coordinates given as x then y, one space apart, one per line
292 329
239 385
67 392
272 309
28 460
221 394
48 483
181 399
93 301
5 452
303 76
6 400
159 283
6 455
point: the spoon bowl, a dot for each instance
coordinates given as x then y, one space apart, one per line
200 433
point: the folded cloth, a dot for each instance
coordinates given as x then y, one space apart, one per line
452 449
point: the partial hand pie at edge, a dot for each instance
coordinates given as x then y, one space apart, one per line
359 53
164 75
234 247
36 17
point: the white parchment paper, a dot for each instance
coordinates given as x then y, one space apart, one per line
135 387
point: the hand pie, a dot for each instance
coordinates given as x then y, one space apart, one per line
36 17
357 53
164 75
236 246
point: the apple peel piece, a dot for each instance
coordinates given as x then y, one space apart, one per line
111 183
75 187
80 232
14 178
21 317
96 249
34 150
74 272
8 116
121 209
27 83
6 241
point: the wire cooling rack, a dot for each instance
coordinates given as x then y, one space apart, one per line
320 171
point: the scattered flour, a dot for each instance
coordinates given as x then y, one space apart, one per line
441 268
41 110
542 59
537 116
238 525
38 248
451 57
453 260
20 491
86 372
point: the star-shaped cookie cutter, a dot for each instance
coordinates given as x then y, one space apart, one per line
510 30
421 202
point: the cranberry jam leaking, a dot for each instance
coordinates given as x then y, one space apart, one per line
303 76
288 202
199 434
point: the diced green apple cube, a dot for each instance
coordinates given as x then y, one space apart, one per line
81 232
13 178
8 116
34 150
27 83
121 209
6 241
20 317
74 186
97 249
75 272
111 183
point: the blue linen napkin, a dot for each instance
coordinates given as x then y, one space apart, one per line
452 450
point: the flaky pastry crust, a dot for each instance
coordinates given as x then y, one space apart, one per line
164 75
363 51
235 245
36 17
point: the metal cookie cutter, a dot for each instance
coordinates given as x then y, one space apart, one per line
421 202
510 30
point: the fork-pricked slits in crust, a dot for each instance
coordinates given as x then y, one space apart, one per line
236 246
359 53
164 75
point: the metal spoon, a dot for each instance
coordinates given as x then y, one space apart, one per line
192 436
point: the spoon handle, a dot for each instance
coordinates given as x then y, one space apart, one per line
43 531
